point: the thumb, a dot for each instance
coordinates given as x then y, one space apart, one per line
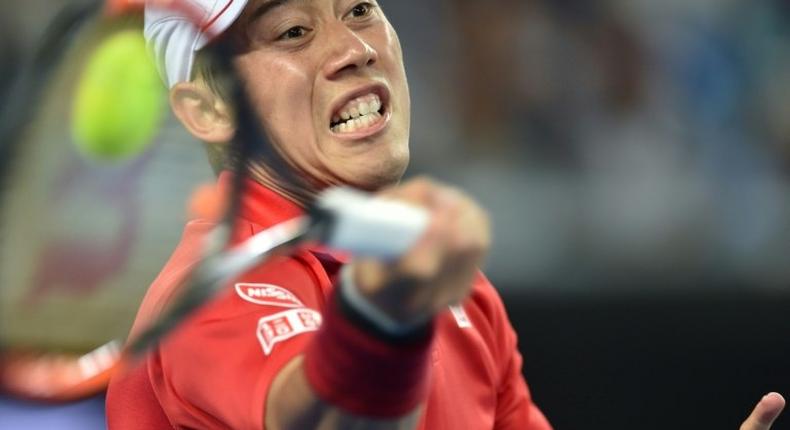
764 414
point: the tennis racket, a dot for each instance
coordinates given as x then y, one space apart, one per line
80 241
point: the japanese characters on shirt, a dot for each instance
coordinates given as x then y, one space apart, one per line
297 319
282 326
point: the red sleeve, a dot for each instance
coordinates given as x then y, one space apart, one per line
515 408
214 372
132 404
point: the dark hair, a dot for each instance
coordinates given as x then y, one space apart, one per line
205 67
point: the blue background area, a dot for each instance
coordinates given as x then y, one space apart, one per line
19 415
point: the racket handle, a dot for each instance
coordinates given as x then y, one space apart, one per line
353 221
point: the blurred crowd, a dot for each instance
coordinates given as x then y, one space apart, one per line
615 142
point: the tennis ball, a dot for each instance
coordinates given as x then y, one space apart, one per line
119 100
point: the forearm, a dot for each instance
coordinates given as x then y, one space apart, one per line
371 369
352 376
293 404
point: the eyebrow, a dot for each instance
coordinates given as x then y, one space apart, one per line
266 7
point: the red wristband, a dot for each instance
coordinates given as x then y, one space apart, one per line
366 376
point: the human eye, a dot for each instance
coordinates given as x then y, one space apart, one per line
362 10
293 33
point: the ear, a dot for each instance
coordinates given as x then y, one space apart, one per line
204 114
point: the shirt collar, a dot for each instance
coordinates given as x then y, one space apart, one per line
260 205
264 208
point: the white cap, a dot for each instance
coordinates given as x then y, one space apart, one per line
174 39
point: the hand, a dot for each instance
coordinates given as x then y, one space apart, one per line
764 414
440 269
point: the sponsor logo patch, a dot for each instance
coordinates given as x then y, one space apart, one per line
268 294
285 325
461 317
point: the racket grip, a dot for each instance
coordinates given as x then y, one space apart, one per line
353 221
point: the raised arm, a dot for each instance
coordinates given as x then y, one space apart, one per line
368 367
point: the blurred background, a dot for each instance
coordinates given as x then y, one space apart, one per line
635 159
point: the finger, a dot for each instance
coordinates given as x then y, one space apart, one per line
425 259
765 413
421 263
472 231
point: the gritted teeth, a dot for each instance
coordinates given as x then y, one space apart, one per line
358 113
356 124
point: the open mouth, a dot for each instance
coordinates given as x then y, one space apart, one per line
359 114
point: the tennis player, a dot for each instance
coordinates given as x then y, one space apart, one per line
316 340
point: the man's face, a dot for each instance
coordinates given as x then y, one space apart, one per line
328 80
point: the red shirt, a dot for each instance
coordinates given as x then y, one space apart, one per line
214 371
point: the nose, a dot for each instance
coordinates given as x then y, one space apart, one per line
349 52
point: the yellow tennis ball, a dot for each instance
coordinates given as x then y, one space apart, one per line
119 100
